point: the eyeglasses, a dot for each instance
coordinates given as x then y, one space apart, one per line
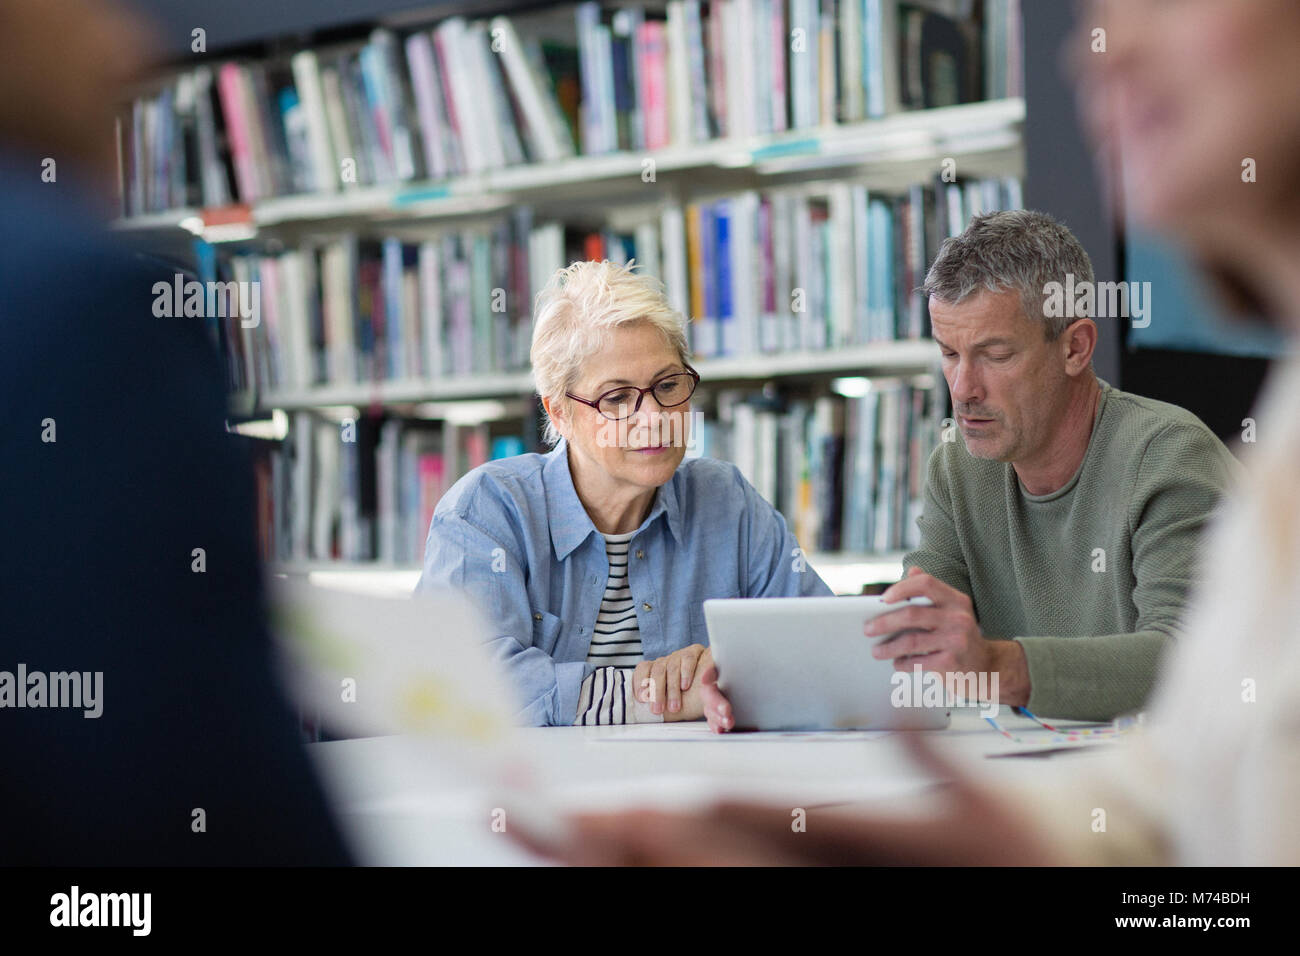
671 390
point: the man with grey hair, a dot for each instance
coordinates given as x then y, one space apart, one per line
1059 537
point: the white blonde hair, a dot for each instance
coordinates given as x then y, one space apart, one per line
574 314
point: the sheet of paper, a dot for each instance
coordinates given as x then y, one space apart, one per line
368 665
698 731
1036 740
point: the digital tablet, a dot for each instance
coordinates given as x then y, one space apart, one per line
804 664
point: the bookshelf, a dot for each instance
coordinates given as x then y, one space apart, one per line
839 184
893 150
879 358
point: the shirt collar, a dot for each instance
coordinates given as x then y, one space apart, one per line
569 521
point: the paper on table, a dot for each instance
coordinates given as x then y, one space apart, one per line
1047 744
1044 751
369 666
698 731
1040 739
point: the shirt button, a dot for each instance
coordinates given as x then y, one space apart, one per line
537 616
640 553
646 606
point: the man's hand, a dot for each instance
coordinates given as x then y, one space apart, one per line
662 682
946 638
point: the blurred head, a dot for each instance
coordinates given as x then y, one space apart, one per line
1011 368
600 332
64 69
1185 100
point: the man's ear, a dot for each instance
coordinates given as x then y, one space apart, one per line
1080 342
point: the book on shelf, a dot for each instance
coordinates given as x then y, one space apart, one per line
805 268
1004 50
354 310
363 489
467 96
847 473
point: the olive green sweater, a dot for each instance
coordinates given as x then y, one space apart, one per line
1090 579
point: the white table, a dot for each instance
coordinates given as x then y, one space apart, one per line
403 804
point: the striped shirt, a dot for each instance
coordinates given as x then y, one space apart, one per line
606 696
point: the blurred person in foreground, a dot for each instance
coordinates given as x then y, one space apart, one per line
1184 94
116 468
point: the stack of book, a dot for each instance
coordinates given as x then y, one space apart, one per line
353 310
468 96
364 489
814 267
391 110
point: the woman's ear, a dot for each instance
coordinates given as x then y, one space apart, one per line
555 412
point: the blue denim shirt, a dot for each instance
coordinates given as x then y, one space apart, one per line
513 535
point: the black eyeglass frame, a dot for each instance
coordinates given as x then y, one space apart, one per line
641 394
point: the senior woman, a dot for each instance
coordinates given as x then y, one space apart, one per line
592 561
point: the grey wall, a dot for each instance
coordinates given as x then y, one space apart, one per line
1060 178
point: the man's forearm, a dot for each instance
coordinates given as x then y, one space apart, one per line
1013 673
1091 678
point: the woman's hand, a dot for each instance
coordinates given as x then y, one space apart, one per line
687 679
661 683
716 707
